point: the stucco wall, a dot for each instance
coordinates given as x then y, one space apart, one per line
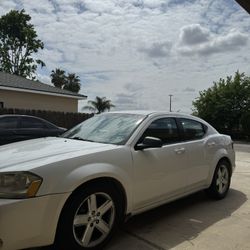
22 100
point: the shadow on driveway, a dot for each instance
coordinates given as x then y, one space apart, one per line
183 220
171 224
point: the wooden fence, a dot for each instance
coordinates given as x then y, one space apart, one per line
61 119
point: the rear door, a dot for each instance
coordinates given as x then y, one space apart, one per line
8 129
51 129
194 140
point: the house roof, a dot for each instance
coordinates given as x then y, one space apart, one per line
245 4
18 83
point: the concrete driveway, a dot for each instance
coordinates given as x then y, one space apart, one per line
195 222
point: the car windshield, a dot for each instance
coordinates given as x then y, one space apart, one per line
111 128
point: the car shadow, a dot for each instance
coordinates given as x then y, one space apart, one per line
169 225
183 220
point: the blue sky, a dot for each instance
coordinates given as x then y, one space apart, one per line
137 52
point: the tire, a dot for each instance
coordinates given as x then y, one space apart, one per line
221 181
89 218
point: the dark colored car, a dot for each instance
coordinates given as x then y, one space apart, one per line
15 128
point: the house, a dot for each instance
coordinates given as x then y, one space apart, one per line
245 4
19 92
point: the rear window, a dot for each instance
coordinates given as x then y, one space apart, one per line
192 129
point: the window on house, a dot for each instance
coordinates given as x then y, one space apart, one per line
1 105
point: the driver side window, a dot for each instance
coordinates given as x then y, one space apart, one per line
165 129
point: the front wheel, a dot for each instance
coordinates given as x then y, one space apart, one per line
221 181
88 219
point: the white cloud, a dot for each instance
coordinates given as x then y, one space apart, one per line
231 42
131 51
196 40
188 89
194 34
6 6
44 79
152 4
157 49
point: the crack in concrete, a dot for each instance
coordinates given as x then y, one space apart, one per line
155 246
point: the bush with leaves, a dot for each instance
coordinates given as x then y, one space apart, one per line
225 103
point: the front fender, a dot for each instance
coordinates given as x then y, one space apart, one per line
67 175
94 171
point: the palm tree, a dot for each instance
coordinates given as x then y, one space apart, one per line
70 82
58 77
101 104
73 83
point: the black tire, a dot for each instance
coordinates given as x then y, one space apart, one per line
218 190
71 236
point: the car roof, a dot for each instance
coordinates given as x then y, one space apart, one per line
134 112
150 112
28 116
16 115
155 113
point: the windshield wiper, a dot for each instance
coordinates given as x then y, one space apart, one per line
80 139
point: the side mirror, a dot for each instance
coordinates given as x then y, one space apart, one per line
149 142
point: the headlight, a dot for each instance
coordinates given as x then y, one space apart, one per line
18 185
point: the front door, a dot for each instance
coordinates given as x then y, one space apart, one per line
160 172
31 128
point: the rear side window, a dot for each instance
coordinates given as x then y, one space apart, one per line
49 125
164 129
193 130
29 122
8 122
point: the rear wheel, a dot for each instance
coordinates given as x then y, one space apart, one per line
88 219
221 181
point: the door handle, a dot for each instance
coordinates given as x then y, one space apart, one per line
211 144
179 150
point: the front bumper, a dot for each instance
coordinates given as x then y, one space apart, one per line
29 222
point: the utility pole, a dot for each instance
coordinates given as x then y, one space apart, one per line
170 103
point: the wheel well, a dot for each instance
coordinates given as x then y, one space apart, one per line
225 159
110 182
106 181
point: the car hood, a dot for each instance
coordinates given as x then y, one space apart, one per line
38 152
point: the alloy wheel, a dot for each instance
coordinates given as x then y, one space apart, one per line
222 180
93 220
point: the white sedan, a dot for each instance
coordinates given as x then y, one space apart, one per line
73 191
